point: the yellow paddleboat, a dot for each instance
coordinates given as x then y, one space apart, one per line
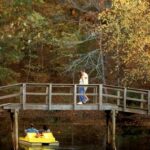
32 139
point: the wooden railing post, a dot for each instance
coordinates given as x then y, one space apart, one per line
142 98
46 97
24 96
75 96
95 96
118 99
49 96
125 99
149 102
21 94
100 96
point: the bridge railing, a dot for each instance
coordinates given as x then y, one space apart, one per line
10 93
57 93
67 94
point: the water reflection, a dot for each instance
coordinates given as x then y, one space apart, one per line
22 147
81 147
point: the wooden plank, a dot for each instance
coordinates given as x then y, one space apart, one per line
36 94
113 88
108 106
59 84
62 94
10 96
37 84
12 106
91 94
112 96
138 92
136 100
2 105
62 85
61 107
135 89
119 87
10 86
136 107
131 110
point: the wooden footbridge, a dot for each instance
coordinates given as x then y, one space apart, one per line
49 96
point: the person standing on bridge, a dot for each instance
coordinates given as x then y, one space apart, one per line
84 80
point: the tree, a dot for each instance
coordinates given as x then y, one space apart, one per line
127 40
123 37
33 35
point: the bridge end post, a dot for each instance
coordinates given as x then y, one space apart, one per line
108 117
111 129
114 129
14 128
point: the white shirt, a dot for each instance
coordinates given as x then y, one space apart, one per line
84 79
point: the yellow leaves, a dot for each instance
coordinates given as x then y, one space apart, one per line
36 19
126 35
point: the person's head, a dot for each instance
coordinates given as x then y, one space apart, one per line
45 127
31 125
82 71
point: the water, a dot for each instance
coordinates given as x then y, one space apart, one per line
88 147
128 142
123 142
78 136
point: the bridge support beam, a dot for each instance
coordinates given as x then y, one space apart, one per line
14 128
111 129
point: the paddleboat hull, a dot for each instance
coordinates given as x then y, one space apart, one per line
31 139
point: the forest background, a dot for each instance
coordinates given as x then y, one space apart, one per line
50 40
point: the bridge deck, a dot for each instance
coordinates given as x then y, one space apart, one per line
104 107
60 107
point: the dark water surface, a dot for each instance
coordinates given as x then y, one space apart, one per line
123 142
78 136
128 142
